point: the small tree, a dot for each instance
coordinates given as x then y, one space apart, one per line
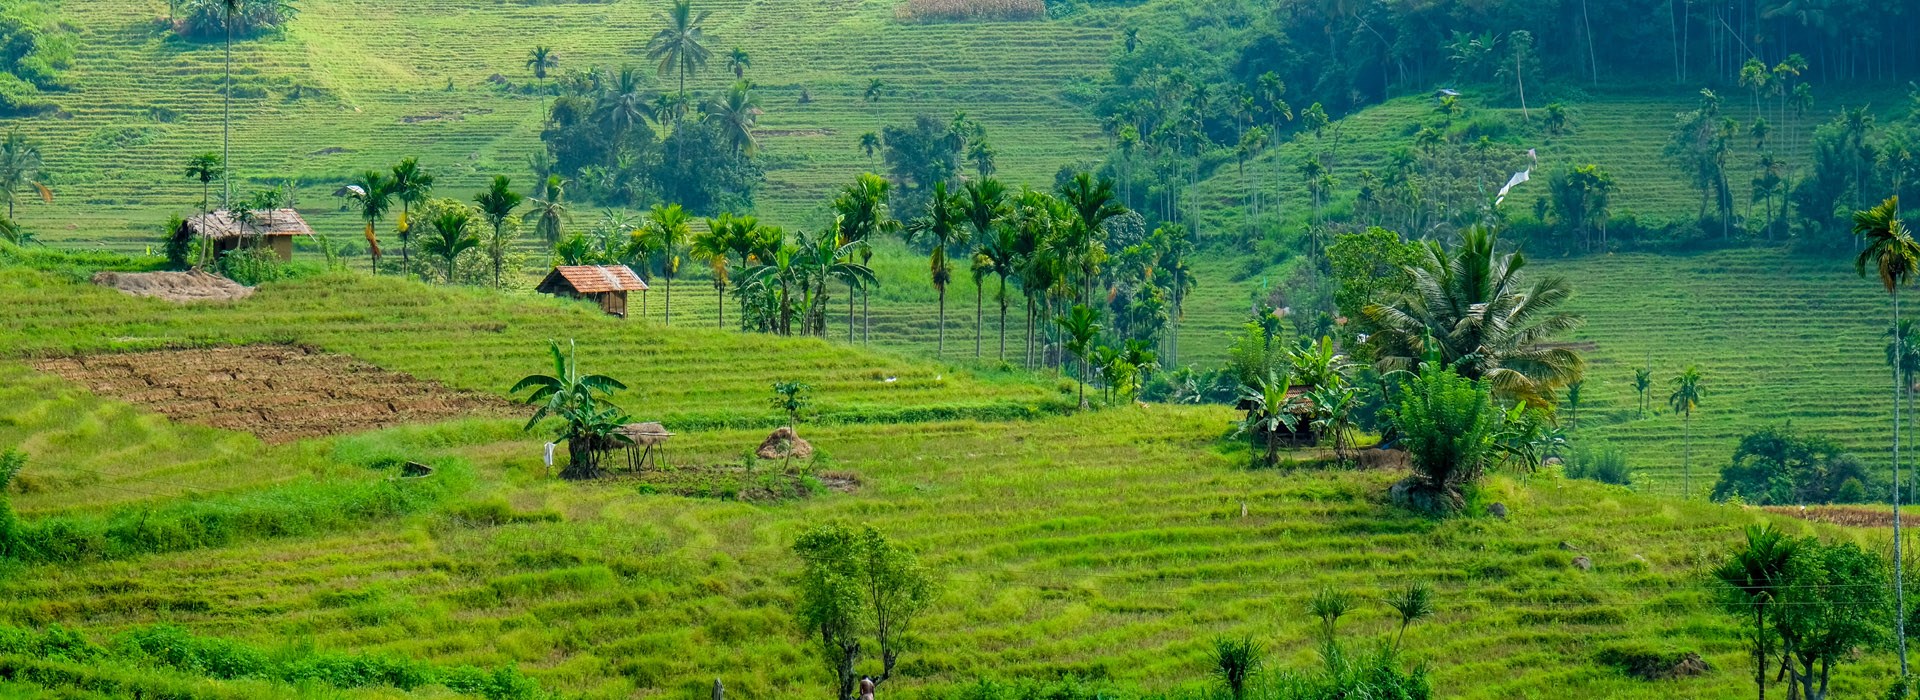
582 401
792 398
1451 430
1082 326
1268 411
1833 601
854 586
1753 577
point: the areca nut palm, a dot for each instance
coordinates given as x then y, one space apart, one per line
411 186
713 246
373 191
1474 308
669 225
551 208
452 235
942 228
863 212
1892 252
1002 251
498 203
1082 327
679 46
1685 399
1093 203
738 61
20 166
540 60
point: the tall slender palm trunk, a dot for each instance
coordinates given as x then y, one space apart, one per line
850 291
1003 319
669 314
1686 456
940 348
1899 578
226 122
866 318
979 301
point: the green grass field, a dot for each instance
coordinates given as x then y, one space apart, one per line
1113 545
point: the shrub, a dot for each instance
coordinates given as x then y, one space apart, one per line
1602 462
254 266
1780 466
1450 428
206 19
970 10
1234 662
178 244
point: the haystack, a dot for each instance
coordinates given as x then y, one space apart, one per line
784 444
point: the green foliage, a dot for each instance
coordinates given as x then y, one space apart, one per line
621 143
1600 462
211 19
1780 466
793 399
854 584
11 545
1235 661
1371 268
583 403
177 244
1450 428
253 266
34 50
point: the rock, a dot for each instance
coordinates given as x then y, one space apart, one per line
1568 547
1689 666
1552 462
1582 563
1498 510
784 444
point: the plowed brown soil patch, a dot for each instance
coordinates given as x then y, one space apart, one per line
1850 516
278 392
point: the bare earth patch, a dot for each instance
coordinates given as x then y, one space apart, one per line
278 392
1850 516
174 286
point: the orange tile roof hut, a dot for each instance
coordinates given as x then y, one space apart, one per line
607 285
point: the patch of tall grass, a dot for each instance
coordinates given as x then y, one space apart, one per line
969 10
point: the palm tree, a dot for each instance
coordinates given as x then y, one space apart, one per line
669 226
946 213
1643 386
713 246
453 235
204 167
1093 204
1001 249
737 113
1082 326
540 60
738 61
497 203
678 47
19 167
986 208
1484 318
870 144
1894 255
875 89
627 106
1757 575
1685 399
411 186
863 212
374 193
551 207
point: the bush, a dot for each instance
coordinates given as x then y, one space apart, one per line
1449 427
1780 466
1602 462
254 266
206 19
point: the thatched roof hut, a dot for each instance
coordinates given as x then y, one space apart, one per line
270 229
606 284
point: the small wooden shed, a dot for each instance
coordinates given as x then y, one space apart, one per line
273 229
607 285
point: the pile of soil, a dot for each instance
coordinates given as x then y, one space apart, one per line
175 286
278 392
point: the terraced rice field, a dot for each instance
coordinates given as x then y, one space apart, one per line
358 84
1781 337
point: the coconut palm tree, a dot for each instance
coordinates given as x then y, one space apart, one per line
550 208
1093 204
540 60
737 113
942 229
679 46
453 234
669 226
497 203
738 61
411 186
1685 399
373 191
1486 320
1082 327
1894 254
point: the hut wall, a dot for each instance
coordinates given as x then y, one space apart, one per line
283 247
613 303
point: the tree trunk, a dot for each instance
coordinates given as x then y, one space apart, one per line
1686 457
720 305
850 291
1003 319
979 301
940 348
669 281
1899 579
